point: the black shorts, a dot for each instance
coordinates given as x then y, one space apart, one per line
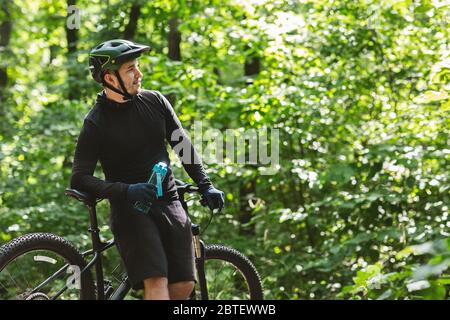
157 244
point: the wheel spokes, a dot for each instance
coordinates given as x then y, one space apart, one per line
34 275
225 281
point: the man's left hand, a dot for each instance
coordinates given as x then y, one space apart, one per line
214 198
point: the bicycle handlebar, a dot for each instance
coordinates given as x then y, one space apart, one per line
187 187
184 187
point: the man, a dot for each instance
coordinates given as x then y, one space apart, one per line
126 131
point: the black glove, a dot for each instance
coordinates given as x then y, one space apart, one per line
214 198
142 192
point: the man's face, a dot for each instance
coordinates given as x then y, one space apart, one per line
131 77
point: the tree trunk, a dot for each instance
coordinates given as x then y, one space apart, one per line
246 194
72 39
174 40
5 36
71 32
252 66
130 29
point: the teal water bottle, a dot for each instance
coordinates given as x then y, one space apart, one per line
156 178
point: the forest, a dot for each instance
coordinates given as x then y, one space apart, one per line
355 205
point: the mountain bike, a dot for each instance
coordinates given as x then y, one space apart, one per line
44 266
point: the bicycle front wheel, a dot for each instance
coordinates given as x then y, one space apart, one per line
43 266
230 275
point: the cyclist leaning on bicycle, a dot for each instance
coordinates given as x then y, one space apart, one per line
126 131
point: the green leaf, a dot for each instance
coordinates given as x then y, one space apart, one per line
431 96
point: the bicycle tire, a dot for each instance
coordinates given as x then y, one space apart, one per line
241 263
56 244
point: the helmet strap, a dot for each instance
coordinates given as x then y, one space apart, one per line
124 93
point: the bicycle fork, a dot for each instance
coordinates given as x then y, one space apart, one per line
199 250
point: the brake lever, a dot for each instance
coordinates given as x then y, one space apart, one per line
204 203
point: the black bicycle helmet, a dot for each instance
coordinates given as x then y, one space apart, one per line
110 55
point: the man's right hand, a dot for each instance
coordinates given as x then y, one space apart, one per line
142 192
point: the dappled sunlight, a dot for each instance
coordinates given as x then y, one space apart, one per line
356 204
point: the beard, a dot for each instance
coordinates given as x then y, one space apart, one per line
134 87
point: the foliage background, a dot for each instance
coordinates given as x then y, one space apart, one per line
359 89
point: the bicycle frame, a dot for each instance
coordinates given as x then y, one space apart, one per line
199 252
98 247
124 286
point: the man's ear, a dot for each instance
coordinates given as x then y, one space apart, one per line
110 78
